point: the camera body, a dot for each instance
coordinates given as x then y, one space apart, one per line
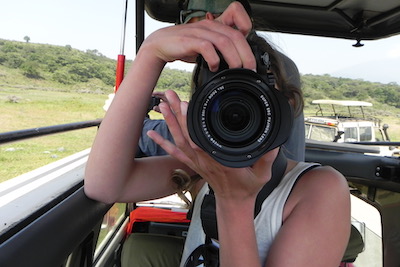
154 101
237 115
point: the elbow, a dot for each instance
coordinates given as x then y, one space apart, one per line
97 196
96 192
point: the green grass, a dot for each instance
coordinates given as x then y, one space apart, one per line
25 108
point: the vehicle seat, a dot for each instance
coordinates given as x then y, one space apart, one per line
149 249
155 238
152 250
354 247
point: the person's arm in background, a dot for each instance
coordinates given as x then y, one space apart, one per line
147 146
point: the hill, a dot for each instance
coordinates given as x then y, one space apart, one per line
48 67
63 68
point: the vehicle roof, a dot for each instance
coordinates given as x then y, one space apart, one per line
347 103
349 19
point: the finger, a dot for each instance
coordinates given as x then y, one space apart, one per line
179 111
160 95
213 36
183 122
236 16
157 109
182 138
171 115
169 147
173 101
179 108
209 16
231 43
181 42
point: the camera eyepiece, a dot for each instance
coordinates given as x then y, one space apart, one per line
236 115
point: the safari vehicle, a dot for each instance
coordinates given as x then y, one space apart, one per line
46 219
350 126
341 128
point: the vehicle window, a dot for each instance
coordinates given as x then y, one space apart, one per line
350 134
321 133
110 222
366 134
307 128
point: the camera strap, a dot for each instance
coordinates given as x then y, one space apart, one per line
208 212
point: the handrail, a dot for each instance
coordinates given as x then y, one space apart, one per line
13 136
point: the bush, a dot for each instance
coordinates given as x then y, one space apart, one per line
31 70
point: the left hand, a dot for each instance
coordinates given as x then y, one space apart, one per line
229 183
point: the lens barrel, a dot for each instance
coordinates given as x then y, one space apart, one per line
236 117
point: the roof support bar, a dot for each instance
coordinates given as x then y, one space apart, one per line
139 23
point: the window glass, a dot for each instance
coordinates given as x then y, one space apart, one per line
307 128
366 133
111 221
350 134
321 133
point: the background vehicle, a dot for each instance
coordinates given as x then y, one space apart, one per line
348 125
46 220
336 127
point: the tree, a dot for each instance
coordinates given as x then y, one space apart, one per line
27 39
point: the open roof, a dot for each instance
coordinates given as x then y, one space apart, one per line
347 103
350 19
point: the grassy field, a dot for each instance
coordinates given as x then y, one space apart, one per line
23 109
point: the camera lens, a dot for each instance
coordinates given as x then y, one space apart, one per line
235 118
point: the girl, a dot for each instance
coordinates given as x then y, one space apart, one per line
312 222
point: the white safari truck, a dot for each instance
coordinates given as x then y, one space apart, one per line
353 126
346 122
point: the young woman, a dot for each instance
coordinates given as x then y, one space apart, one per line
312 224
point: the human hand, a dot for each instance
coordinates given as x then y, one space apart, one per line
206 37
236 17
234 184
160 95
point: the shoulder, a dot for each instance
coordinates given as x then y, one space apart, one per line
324 178
323 182
316 222
321 188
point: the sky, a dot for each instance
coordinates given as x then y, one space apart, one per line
98 24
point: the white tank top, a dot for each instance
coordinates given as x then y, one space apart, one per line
267 223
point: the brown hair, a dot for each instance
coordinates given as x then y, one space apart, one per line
292 92
184 183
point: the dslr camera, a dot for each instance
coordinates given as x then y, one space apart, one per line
237 115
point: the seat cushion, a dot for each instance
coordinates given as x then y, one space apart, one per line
145 250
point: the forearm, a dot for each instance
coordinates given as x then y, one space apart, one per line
111 159
238 244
